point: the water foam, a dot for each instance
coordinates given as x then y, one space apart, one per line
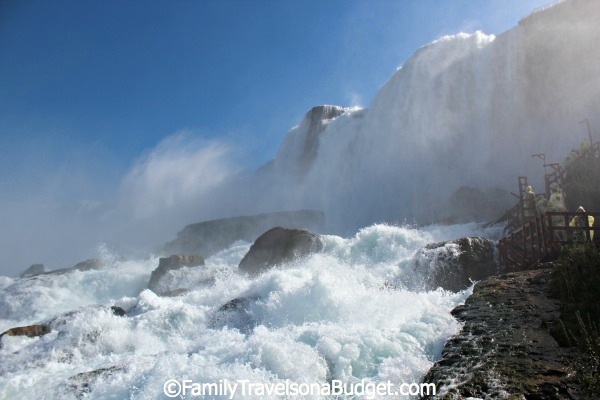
330 316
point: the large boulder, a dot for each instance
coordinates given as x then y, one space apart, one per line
453 265
171 263
209 237
279 245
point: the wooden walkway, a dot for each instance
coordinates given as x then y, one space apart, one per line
541 238
532 239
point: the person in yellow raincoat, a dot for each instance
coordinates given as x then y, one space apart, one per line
579 221
556 203
529 205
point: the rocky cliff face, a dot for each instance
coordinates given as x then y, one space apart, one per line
299 148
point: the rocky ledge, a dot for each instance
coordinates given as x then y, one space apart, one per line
209 237
505 349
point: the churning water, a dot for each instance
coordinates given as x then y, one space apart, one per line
335 315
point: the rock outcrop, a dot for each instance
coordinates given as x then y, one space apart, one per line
83 383
118 311
171 263
34 270
174 292
235 314
87 265
505 349
453 265
209 237
29 331
300 147
279 245
90 265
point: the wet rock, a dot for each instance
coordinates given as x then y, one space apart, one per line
454 264
235 314
172 263
90 264
178 261
81 384
505 349
209 237
58 321
29 331
300 146
279 245
87 265
118 311
174 293
235 304
34 270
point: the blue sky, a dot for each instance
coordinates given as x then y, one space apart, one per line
87 87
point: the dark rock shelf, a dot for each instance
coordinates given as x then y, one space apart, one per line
505 349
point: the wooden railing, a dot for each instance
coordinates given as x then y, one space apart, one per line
541 238
530 240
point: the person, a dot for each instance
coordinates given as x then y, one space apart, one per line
579 221
556 203
557 199
542 204
529 205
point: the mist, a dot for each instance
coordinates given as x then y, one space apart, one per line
174 184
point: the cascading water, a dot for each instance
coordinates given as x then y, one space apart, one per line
465 110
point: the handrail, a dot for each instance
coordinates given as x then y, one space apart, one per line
542 236
532 238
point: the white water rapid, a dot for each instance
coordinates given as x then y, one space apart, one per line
331 316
